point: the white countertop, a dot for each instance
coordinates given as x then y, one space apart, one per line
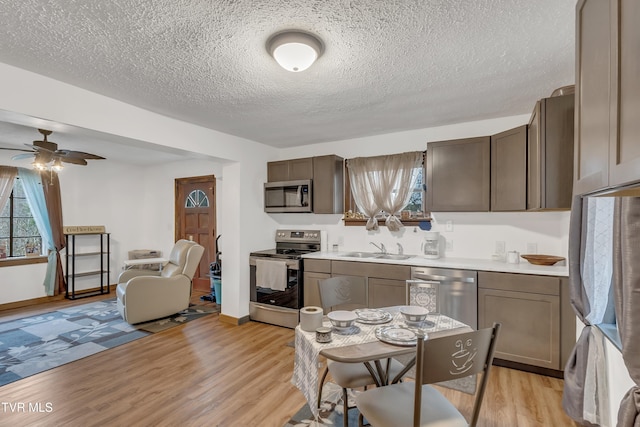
460 263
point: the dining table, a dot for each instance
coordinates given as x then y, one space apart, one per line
360 344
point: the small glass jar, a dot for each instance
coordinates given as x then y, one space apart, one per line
323 334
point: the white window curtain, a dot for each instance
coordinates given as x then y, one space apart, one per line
383 184
7 178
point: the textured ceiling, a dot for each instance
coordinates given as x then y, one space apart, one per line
388 65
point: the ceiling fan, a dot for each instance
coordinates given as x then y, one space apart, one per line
45 152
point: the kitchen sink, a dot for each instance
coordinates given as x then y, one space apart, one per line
362 255
376 255
394 256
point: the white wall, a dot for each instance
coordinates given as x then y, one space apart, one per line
242 164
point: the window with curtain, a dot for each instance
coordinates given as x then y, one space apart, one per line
19 234
388 186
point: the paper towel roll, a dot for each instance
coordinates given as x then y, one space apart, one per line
310 318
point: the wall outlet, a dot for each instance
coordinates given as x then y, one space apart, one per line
532 248
500 247
449 245
448 226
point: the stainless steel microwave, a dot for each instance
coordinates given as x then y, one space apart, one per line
288 196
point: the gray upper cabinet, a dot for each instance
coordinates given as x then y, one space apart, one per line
608 95
550 154
328 184
290 170
327 174
509 170
593 49
458 175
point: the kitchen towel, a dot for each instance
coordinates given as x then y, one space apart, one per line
271 274
310 318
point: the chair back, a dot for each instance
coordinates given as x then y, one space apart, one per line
453 357
183 259
423 293
343 292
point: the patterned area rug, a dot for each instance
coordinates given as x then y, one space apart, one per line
38 343
331 410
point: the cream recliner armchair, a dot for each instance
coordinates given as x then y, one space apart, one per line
145 295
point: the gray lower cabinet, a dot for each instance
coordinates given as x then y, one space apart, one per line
314 271
386 292
537 328
385 282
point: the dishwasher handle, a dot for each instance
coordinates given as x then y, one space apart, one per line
419 282
444 279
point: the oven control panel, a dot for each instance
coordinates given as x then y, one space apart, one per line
307 236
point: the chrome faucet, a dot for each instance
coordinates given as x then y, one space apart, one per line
381 248
400 249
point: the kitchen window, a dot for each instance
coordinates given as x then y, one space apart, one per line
411 214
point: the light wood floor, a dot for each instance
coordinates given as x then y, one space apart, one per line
207 373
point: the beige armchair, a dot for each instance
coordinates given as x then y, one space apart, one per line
145 295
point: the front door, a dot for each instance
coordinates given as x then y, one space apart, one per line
196 220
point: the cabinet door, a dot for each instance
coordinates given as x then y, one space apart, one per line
311 291
509 170
386 292
301 169
530 325
550 154
328 185
458 175
558 138
624 155
278 171
592 110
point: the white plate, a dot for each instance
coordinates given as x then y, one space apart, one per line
372 316
351 330
424 324
397 334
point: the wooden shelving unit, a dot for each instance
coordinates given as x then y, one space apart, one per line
102 273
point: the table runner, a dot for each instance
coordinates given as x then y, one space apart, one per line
307 350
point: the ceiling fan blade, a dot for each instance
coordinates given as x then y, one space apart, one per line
17 149
23 156
78 155
73 160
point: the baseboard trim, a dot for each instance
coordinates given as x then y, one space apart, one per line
224 318
44 300
528 368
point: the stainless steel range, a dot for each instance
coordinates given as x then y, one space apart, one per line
276 277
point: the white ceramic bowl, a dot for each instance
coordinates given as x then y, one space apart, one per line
342 319
414 313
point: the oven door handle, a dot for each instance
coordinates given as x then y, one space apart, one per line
291 264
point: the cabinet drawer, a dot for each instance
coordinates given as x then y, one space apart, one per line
547 285
369 269
317 265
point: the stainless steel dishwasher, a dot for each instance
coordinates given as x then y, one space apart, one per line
456 291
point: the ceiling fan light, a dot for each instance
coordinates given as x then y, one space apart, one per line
293 50
38 163
57 165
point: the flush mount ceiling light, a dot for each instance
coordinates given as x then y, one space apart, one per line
294 50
